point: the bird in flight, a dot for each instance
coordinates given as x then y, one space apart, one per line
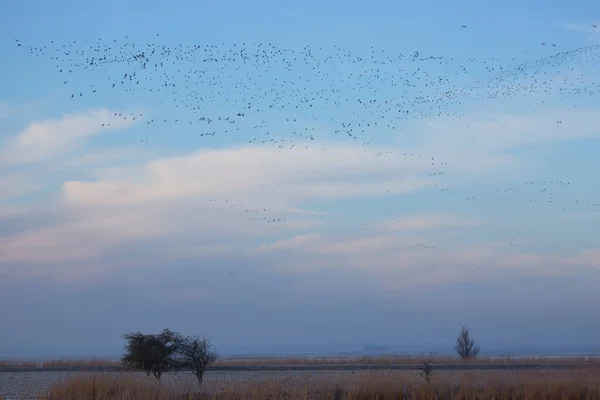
595 26
543 44
464 26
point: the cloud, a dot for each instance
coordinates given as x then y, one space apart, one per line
179 196
398 264
430 221
103 159
483 147
245 172
295 242
265 203
404 232
16 186
43 140
473 146
505 132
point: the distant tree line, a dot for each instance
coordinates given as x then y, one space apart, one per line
166 351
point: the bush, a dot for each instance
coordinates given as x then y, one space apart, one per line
153 353
159 353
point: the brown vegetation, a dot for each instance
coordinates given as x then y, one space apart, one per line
575 384
92 362
366 360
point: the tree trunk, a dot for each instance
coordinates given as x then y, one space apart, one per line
157 374
199 376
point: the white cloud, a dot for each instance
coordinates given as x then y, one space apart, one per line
423 222
324 245
471 147
203 203
480 147
484 135
44 140
98 160
246 173
405 232
295 242
400 265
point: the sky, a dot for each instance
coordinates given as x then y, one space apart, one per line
296 177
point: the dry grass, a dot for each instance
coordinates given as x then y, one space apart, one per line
59 363
260 361
576 384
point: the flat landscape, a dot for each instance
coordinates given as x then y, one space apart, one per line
241 364
582 383
28 379
300 200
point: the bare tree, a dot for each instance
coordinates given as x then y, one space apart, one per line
153 353
426 370
465 345
196 353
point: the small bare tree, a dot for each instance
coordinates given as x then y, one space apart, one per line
197 354
465 345
426 370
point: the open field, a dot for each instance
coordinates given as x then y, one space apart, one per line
231 363
581 383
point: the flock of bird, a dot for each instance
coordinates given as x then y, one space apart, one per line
293 97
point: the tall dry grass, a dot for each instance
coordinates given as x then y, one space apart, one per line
580 384
365 360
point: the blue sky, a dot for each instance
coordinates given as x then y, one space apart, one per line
455 204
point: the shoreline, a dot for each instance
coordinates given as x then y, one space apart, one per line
321 367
